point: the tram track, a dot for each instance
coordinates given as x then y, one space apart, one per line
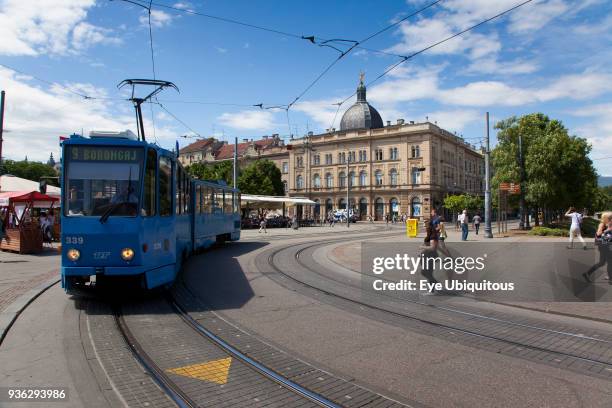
578 347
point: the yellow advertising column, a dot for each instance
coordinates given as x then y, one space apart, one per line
412 228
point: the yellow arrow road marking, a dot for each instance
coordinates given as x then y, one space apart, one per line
214 371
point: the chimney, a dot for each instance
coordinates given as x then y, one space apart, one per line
412 122
245 140
388 123
400 121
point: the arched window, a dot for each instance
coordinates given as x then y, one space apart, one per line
393 177
316 181
379 208
329 180
351 179
394 206
363 208
342 179
329 206
299 182
363 178
342 204
379 177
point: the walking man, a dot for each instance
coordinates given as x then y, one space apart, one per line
576 218
476 220
464 220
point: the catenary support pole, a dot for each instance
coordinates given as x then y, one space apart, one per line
235 162
348 183
488 232
2 96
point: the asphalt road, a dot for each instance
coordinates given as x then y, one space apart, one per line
57 341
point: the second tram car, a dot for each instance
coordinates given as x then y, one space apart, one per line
130 209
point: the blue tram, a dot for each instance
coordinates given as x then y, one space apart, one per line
129 209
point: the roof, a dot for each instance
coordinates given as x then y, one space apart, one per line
25 196
8 182
227 150
361 115
197 145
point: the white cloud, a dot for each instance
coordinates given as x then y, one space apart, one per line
86 35
534 16
55 27
40 115
323 111
598 131
159 18
595 28
221 50
492 65
249 120
455 120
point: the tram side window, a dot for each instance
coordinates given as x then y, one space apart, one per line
206 200
227 202
165 186
187 202
179 190
198 194
217 206
150 199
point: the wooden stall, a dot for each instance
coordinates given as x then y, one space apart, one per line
22 231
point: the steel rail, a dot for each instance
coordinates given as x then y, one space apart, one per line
403 315
158 375
260 368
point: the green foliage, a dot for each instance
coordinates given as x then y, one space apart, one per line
261 177
218 171
457 203
29 170
548 232
558 171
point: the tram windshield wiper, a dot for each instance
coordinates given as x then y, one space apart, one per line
111 209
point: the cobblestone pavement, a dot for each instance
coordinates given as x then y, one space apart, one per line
21 273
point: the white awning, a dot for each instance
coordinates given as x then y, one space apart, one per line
261 201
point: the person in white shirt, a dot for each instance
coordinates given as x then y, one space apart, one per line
464 220
574 231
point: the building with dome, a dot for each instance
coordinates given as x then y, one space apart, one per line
401 168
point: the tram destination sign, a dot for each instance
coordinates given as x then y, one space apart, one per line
106 154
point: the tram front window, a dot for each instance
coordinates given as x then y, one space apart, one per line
102 181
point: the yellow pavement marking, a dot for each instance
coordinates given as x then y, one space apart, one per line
214 371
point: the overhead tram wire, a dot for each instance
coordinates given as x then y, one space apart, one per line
355 45
177 119
313 39
408 57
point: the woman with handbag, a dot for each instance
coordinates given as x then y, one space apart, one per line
603 241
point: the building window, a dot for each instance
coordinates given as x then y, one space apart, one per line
342 179
299 182
329 180
316 181
328 158
416 151
351 157
416 176
393 176
393 153
378 177
285 167
165 186
285 186
299 161
316 160
363 156
378 154
351 179
363 178
342 157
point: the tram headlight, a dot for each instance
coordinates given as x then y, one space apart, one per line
73 254
127 254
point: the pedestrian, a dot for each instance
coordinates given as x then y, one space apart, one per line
262 225
434 229
387 219
464 221
603 241
476 220
574 231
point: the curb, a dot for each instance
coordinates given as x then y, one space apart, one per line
9 315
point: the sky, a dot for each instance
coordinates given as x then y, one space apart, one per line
549 56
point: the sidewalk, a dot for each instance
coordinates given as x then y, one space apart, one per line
23 278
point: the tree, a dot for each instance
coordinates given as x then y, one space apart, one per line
558 170
261 177
29 170
218 171
457 203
